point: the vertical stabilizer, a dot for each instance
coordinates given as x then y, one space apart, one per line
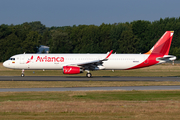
163 45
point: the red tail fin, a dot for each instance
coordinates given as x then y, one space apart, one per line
163 45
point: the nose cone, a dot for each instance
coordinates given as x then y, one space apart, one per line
5 64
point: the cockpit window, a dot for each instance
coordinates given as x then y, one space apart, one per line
11 58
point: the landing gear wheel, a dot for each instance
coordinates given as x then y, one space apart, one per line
88 75
22 75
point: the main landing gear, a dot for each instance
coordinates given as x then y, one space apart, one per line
22 75
89 75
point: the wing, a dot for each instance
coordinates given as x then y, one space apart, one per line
92 65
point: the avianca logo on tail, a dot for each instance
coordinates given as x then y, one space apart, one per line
46 59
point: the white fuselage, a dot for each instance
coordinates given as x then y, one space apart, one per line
57 61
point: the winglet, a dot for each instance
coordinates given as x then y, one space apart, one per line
109 54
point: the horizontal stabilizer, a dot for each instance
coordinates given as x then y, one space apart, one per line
166 58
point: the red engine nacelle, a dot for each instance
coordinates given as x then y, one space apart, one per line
72 70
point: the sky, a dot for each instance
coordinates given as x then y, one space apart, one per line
79 12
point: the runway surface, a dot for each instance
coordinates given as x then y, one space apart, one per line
79 78
75 78
92 88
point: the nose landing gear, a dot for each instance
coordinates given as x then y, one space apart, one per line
22 75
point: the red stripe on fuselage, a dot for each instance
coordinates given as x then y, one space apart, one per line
151 60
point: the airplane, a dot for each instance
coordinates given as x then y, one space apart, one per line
78 63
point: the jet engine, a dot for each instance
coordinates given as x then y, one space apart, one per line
72 70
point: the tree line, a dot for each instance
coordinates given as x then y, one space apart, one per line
130 37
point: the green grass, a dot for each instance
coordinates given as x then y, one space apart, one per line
47 84
91 96
96 105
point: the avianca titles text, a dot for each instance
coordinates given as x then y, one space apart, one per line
46 59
